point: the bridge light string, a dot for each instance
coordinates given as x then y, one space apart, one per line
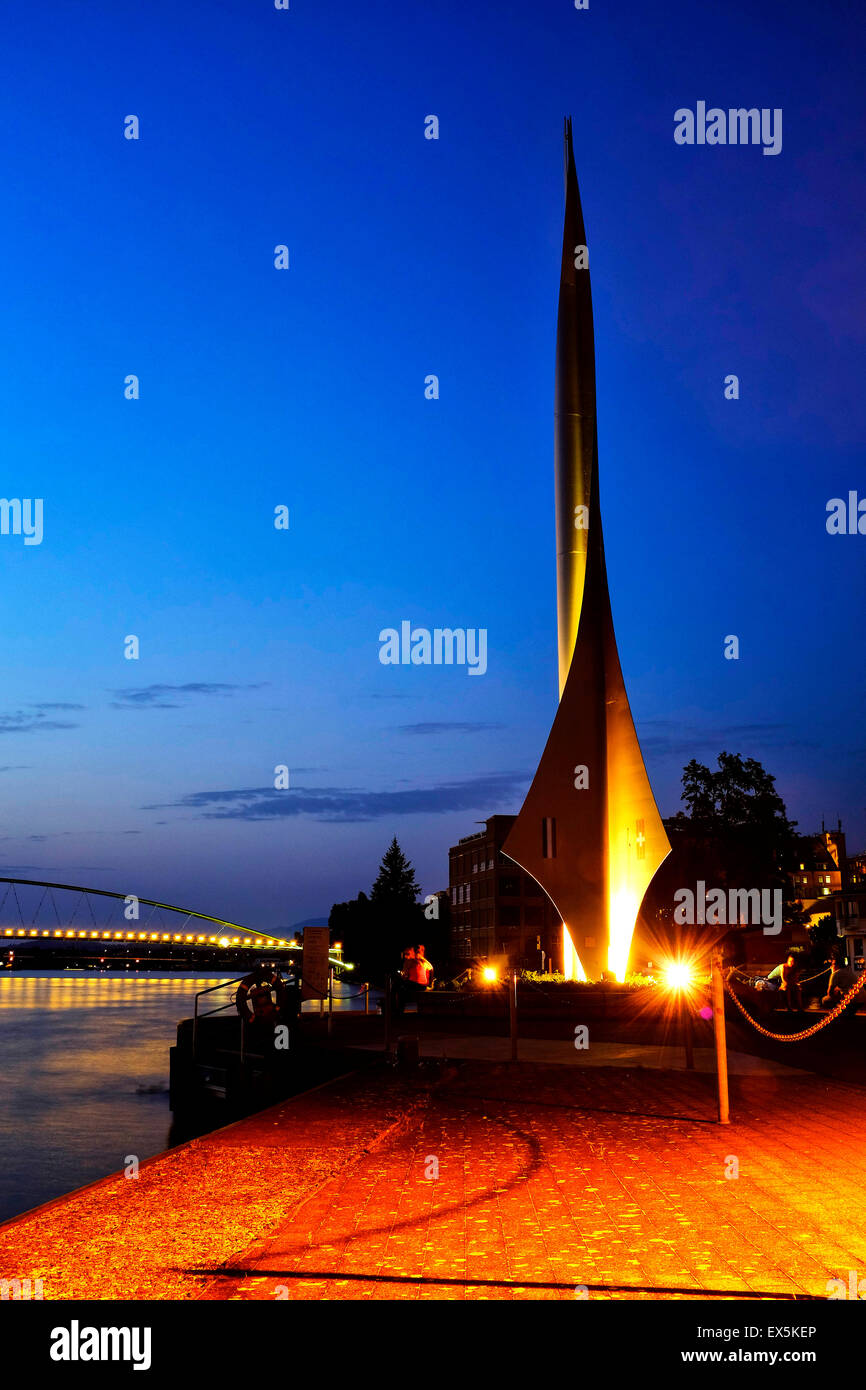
250 940
224 941
69 933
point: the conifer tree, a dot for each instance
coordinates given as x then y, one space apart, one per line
395 915
395 884
376 929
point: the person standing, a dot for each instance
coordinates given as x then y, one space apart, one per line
788 975
256 1005
402 983
420 970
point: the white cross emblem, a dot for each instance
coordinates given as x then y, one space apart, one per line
640 839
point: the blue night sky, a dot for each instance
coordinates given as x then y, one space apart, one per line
305 388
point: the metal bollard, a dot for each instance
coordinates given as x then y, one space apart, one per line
721 1042
387 1007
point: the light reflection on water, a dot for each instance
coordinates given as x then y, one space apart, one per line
79 1050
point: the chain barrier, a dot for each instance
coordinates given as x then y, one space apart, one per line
807 1032
747 979
777 1037
809 978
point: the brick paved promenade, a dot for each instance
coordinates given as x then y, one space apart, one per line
543 1187
549 1177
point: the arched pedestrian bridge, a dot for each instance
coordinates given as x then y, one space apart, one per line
69 918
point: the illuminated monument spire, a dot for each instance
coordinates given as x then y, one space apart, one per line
589 831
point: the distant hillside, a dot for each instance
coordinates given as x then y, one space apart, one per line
309 922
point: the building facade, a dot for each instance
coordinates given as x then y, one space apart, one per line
498 912
821 866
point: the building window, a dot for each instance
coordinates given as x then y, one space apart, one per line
548 837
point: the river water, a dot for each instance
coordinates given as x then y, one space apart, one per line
84 1074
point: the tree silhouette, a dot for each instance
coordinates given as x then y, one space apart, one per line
395 885
740 796
375 930
734 833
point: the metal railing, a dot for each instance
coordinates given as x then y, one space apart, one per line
223 984
232 1003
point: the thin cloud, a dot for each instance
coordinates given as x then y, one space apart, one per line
446 727
342 805
671 738
54 704
21 723
154 696
11 870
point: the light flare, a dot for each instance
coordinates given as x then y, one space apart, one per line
679 975
622 911
571 966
